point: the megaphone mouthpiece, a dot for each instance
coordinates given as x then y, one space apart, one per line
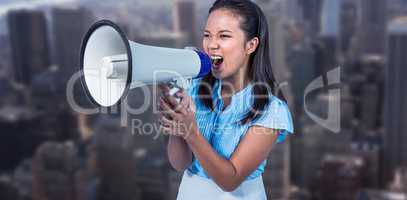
116 66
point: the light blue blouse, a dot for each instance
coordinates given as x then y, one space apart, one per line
222 129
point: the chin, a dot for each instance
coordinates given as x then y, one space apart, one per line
218 75
223 75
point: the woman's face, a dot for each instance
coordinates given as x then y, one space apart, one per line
224 38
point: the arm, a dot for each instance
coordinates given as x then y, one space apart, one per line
179 154
229 174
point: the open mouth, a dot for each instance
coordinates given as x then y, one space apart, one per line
217 60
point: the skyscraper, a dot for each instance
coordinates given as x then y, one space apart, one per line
4 54
348 24
329 36
395 106
185 20
312 13
29 44
340 176
396 8
293 10
69 27
372 27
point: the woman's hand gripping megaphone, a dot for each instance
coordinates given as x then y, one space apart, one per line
181 83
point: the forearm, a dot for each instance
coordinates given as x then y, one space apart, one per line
179 153
219 169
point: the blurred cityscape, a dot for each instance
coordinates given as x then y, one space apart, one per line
49 151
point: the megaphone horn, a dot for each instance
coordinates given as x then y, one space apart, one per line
112 64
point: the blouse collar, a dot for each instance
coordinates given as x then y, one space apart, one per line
243 92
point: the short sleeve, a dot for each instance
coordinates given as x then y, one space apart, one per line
276 116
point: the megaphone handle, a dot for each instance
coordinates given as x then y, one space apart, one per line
178 84
174 88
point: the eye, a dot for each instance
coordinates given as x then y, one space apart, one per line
223 36
206 35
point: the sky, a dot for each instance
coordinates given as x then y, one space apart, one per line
6 5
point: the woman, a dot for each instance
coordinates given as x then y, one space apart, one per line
225 125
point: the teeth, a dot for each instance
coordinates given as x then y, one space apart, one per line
216 57
216 60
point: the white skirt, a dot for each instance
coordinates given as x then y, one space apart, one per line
194 187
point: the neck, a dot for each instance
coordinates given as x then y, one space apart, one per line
235 83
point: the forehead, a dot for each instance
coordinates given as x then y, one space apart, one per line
223 20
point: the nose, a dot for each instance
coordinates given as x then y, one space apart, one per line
213 44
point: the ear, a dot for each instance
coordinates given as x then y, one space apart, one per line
252 45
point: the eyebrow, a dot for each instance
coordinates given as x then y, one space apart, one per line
222 31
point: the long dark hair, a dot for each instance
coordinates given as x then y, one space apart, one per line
253 24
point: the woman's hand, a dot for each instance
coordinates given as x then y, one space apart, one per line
177 118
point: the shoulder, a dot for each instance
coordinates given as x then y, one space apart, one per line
276 104
276 115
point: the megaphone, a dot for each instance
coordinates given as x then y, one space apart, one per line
112 64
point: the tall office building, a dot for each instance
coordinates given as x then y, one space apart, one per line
293 10
369 148
372 27
395 106
4 54
29 44
185 20
338 23
312 13
396 8
315 143
340 176
69 27
329 36
348 24
301 60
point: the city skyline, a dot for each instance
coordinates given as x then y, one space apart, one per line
304 47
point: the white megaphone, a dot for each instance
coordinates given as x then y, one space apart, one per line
112 65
